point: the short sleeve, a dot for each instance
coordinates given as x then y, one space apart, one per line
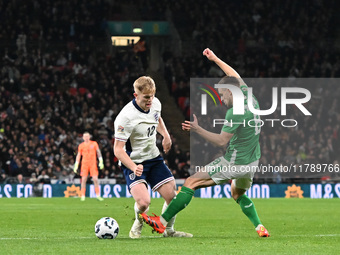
232 122
96 145
123 128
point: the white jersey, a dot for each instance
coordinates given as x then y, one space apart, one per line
140 128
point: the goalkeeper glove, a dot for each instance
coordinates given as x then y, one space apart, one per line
75 168
101 163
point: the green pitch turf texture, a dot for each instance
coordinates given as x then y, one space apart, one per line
66 226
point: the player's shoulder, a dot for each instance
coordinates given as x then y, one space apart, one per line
156 100
128 107
94 142
81 146
234 117
126 112
156 103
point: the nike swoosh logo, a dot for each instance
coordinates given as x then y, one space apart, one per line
247 206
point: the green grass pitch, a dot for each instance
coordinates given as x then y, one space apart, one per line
66 226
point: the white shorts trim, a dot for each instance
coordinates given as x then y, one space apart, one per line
162 182
137 182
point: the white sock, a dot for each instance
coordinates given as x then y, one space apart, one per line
137 212
169 225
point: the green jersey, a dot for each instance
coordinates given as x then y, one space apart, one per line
244 146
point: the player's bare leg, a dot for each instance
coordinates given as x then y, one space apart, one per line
248 208
96 187
83 187
168 192
141 195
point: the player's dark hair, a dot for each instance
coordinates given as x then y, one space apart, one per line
232 81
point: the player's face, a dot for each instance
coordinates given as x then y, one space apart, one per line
226 96
144 100
86 137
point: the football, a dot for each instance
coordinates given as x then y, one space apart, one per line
106 228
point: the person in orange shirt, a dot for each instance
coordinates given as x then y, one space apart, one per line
89 150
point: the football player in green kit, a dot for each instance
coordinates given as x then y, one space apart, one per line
239 163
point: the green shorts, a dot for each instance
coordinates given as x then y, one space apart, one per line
222 171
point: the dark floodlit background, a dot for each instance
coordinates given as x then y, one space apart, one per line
61 75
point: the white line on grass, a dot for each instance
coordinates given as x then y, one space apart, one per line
329 235
63 238
36 238
87 237
325 235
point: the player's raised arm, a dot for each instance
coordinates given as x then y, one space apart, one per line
121 154
227 69
161 128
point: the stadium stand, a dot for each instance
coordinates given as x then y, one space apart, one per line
58 77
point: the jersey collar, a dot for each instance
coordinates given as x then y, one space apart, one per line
138 108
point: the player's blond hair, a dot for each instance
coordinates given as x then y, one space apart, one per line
145 84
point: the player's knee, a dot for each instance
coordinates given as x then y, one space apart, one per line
236 193
143 204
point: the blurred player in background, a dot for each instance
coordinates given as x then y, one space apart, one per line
89 150
238 164
135 146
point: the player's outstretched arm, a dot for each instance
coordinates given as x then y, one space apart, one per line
161 128
221 139
120 153
227 69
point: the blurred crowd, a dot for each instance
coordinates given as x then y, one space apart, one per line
263 39
59 77
53 91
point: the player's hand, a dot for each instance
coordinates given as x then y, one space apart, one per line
186 125
139 170
190 125
75 168
166 144
210 54
101 165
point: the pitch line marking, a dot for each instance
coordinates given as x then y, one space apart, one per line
36 238
310 235
63 238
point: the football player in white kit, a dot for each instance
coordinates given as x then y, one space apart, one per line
135 146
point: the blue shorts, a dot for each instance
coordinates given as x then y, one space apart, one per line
155 173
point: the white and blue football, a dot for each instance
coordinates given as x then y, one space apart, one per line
106 228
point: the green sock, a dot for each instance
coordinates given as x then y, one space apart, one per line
248 208
177 204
